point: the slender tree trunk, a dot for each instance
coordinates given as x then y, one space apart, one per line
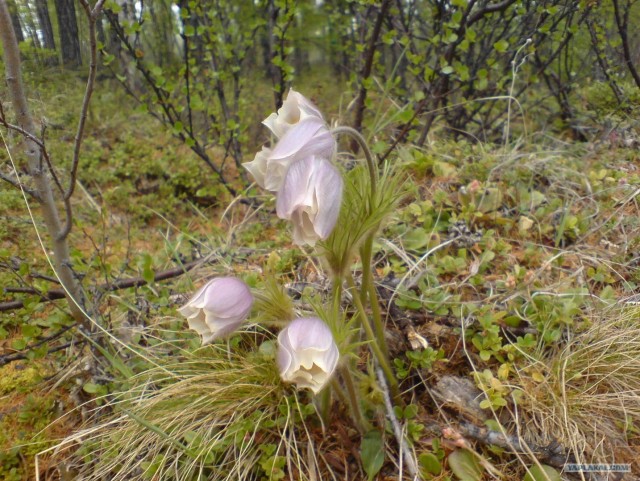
69 41
15 20
44 19
367 68
622 22
32 151
32 29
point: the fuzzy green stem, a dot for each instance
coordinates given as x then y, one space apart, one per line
337 296
361 423
375 347
366 258
378 325
368 288
325 405
337 388
373 173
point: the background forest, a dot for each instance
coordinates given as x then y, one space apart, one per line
506 269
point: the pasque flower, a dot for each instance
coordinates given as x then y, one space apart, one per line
309 137
218 308
310 198
307 354
295 108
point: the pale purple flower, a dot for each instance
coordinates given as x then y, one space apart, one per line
310 198
295 108
306 138
307 354
218 308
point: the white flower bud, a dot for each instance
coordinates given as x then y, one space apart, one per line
295 108
307 354
218 308
308 137
310 198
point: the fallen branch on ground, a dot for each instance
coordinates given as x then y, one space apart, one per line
54 294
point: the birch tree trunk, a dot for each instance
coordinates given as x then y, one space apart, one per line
37 170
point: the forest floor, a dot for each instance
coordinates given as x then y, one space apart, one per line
507 280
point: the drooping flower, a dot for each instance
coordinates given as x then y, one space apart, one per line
218 308
295 108
307 138
310 198
307 354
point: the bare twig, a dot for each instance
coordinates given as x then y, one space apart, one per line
92 16
54 294
407 455
18 185
25 355
163 98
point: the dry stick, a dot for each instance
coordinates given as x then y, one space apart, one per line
25 355
50 213
406 454
54 294
549 455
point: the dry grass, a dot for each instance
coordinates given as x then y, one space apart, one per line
589 398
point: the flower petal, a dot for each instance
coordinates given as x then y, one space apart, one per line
311 197
295 108
218 308
227 298
309 137
258 166
328 185
307 353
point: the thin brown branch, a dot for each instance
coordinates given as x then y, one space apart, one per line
92 16
15 183
553 455
25 355
54 294
489 8
366 69
622 22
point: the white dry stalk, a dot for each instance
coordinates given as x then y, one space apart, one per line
406 454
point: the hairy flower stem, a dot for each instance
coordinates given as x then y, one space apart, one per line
371 165
368 288
361 423
374 345
324 399
366 252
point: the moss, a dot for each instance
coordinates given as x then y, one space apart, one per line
14 377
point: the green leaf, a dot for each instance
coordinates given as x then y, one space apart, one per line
542 473
416 239
372 453
430 463
147 269
448 70
465 465
19 344
501 46
91 388
411 411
